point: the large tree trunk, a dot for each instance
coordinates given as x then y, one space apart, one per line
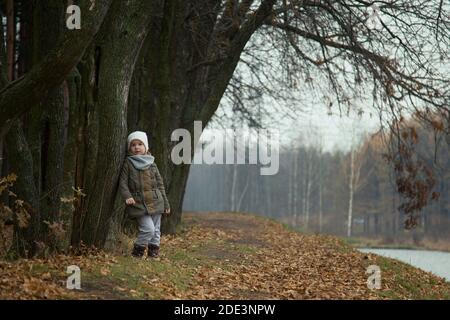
71 150
52 117
86 138
176 83
18 154
35 85
21 162
10 38
43 141
120 40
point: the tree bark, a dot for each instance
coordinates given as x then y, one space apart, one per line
118 46
21 163
35 85
86 138
52 113
10 36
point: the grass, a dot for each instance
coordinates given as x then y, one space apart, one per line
176 270
135 278
377 244
405 282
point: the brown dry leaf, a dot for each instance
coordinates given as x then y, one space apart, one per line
105 271
120 289
46 276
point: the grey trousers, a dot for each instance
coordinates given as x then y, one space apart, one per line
149 230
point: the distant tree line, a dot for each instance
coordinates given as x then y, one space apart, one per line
322 191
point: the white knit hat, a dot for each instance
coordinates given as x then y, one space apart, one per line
138 135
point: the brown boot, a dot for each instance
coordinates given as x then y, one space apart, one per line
153 250
138 251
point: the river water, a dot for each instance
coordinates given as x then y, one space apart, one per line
437 262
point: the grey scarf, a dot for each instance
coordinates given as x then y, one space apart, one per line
141 162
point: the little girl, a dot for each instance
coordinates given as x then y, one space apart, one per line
142 187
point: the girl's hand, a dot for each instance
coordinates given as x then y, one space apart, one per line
167 211
130 201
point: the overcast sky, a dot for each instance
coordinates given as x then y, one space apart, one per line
316 125
335 131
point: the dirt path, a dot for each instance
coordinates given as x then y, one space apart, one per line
277 263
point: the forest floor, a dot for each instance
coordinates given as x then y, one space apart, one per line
224 256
